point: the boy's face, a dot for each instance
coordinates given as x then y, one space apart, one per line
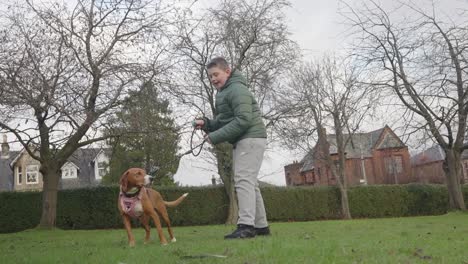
218 76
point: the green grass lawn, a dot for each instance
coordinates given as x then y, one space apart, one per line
431 239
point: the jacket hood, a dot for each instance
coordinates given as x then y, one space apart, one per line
236 77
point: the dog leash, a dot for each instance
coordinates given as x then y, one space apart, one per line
192 148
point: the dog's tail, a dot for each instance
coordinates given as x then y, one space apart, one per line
176 202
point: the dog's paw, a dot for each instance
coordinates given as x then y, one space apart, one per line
164 244
173 240
131 244
185 194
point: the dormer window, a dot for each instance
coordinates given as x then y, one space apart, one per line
69 171
101 165
102 170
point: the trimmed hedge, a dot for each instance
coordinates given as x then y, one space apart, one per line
96 208
397 200
88 208
301 203
19 210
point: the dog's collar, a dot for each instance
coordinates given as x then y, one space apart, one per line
132 192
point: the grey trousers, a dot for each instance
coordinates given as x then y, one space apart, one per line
248 157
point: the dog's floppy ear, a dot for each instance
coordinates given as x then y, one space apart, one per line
124 181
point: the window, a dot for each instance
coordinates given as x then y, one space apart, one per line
394 164
337 165
32 174
398 163
69 172
19 175
101 165
102 169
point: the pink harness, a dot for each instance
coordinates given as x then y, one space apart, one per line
132 205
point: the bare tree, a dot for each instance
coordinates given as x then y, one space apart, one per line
422 59
62 70
252 36
332 96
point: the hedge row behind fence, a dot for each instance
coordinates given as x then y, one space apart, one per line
97 207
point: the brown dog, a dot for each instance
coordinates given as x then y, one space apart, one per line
139 202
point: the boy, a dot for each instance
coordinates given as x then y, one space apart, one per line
238 121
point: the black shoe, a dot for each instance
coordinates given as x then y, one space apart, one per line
242 231
264 231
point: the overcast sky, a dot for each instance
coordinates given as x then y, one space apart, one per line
317 27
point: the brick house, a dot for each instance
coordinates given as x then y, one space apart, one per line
376 157
293 174
20 172
427 166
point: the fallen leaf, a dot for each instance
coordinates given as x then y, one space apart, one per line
419 253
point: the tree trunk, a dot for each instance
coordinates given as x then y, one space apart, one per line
223 154
345 203
453 174
340 177
233 211
341 170
49 198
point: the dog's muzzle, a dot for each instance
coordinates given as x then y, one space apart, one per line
148 179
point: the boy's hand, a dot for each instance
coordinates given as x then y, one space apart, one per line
207 138
198 123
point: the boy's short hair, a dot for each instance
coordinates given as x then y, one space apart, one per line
219 62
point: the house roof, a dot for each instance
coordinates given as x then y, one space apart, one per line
83 159
359 144
364 143
6 173
464 155
70 164
308 162
432 154
16 157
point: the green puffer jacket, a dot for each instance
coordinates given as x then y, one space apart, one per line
237 113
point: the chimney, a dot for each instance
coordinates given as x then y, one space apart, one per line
213 180
322 135
323 146
324 131
5 148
